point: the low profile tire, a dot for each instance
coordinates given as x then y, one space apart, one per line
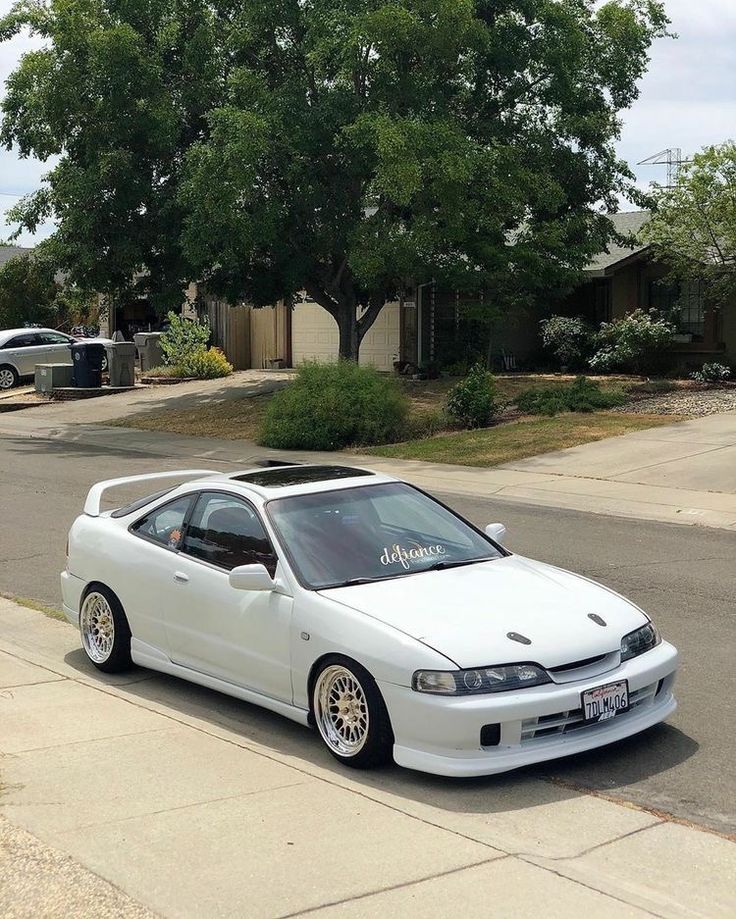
105 631
8 377
351 715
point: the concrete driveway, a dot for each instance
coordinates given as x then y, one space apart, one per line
183 802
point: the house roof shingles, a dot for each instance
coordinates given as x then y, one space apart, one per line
8 252
626 223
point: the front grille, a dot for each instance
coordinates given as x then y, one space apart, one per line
576 665
565 722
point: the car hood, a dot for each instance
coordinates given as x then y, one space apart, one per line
466 613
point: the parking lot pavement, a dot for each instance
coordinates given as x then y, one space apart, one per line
192 804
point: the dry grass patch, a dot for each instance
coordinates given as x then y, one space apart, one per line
519 439
233 419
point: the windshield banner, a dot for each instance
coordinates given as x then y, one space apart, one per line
397 554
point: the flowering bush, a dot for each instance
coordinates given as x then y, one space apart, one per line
712 374
636 343
206 365
568 338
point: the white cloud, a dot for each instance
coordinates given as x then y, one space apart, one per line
686 99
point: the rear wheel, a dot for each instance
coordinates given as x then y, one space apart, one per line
8 376
351 715
105 631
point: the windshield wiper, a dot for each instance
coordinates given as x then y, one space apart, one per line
352 582
441 566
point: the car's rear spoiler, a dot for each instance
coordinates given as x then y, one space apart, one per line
92 504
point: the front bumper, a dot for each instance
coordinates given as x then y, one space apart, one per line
441 734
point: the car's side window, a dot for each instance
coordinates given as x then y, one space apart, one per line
22 341
54 338
228 532
165 525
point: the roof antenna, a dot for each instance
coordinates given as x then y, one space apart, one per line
671 158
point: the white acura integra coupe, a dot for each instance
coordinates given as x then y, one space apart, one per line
353 601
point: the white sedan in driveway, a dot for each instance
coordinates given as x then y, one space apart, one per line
357 603
22 349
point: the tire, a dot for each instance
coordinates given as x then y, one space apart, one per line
350 714
8 376
104 630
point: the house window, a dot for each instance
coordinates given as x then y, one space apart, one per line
682 303
690 313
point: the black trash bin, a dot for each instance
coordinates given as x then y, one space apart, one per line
87 359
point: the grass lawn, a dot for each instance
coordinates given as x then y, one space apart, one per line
514 440
240 419
233 419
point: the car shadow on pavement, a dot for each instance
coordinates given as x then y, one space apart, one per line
615 770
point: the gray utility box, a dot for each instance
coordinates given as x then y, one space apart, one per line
53 376
148 345
121 363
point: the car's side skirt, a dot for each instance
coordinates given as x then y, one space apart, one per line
147 656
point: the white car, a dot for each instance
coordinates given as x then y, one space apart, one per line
22 349
355 602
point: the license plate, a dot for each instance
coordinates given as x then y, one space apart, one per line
605 702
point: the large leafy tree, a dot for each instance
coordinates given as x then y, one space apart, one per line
32 292
27 292
341 146
693 229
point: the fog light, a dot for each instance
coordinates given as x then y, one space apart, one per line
490 735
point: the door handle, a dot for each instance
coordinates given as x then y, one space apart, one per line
181 577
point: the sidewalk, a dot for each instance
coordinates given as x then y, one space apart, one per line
683 473
193 804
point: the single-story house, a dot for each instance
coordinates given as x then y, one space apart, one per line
435 325
626 278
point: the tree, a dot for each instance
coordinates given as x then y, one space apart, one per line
346 147
27 292
31 292
693 228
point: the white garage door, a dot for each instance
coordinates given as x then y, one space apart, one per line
315 336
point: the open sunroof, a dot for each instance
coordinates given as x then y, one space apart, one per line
281 476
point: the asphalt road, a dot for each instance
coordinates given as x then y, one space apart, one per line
684 577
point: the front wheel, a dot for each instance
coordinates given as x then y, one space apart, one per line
351 715
105 631
8 377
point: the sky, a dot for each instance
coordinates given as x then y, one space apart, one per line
687 99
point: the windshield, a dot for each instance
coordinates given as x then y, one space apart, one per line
372 533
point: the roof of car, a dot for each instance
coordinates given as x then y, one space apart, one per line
290 479
31 330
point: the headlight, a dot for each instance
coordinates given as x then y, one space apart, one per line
639 641
484 679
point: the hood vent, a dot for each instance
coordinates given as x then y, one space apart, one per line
522 639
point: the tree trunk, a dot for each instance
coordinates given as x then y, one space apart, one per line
347 324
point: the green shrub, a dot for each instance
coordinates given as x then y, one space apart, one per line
183 339
636 343
472 401
205 365
329 406
712 374
583 395
568 338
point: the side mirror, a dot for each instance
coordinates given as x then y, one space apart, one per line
497 531
251 577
